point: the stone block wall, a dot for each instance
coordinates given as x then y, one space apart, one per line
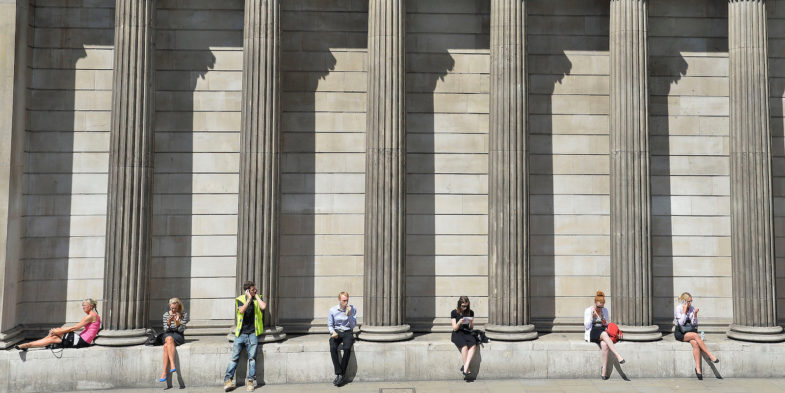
323 61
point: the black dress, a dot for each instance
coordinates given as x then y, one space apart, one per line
463 336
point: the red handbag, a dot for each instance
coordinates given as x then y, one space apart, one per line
614 332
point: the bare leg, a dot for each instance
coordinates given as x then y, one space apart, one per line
166 361
696 353
464 354
607 340
42 342
694 336
604 348
170 351
469 357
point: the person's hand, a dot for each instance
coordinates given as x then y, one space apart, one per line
335 334
348 310
696 311
247 294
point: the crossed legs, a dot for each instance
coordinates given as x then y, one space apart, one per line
697 346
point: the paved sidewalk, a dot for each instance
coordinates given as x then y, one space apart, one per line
516 386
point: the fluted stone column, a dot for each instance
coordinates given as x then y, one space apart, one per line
631 281
508 220
385 175
752 237
259 199
129 208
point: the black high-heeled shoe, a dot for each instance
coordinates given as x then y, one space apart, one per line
18 348
604 377
699 375
716 360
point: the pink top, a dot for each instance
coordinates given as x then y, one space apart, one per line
91 330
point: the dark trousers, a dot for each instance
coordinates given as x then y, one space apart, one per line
347 339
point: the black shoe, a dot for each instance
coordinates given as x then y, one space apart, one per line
461 369
716 360
622 361
604 378
335 381
18 348
699 375
338 380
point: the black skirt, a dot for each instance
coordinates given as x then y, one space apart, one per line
178 338
594 335
463 338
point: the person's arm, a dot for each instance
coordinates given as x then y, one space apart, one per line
606 316
166 320
63 330
184 318
455 324
331 322
262 303
352 318
695 316
241 308
471 322
681 316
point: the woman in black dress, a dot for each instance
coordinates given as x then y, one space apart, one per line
462 319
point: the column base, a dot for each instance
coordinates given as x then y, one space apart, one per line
122 338
768 334
10 337
510 333
641 333
385 333
269 335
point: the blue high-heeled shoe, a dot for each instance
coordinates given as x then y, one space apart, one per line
173 370
162 379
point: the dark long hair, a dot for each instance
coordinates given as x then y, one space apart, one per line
461 300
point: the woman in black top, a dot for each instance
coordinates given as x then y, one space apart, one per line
462 319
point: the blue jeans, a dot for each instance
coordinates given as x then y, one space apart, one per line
249 341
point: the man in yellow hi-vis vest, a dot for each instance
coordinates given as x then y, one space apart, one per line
249 308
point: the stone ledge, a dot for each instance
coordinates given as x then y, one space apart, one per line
306 359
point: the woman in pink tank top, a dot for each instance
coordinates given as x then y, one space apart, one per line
67 336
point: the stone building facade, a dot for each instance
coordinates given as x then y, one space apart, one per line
523 153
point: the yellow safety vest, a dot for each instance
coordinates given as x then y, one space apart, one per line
257 316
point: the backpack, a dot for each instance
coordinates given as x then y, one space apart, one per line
614 332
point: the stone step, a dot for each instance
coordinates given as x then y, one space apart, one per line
306 359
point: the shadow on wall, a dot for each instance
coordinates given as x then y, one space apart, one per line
664 71
551 69
302 74
183 59
420 186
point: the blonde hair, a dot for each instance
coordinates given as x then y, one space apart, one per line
343 293
180 307
599 297
684 297
92 302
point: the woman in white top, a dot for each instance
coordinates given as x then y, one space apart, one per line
685 317
595 320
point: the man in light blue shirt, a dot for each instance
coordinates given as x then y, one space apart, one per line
340 322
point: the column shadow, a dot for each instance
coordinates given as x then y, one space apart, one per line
181 76
298 187
542 196
664 73
777 127
421 192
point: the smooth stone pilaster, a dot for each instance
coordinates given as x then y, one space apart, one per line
385 175
508 220
14 47
129 209
631 277
752 235
259 197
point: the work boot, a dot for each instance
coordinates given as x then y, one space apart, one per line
228 385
